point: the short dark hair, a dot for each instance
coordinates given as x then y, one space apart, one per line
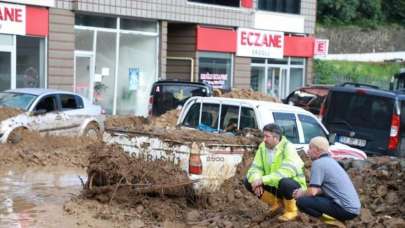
273 128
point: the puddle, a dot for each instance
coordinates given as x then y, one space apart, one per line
26 194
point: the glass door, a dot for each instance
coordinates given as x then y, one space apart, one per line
258 79
277 82
5 70
84 75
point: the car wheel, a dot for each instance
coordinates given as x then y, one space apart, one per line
401 152
92 131
16 135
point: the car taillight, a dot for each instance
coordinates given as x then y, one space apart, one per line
195 165
394 133
150 105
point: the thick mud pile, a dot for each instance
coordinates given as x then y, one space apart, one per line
6 113
113 172
249 94
32 150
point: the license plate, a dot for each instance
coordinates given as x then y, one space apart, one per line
352 141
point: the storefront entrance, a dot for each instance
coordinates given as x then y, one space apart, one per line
84 74
277 77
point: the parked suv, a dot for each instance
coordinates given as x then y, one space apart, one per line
166 95
216 114
367 118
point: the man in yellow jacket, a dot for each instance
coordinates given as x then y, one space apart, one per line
276 172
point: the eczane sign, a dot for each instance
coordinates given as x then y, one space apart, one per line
12 19
259 43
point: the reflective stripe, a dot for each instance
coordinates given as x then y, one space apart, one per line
280 175
287 165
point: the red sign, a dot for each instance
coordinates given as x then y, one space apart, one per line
23 20
321 47
259 43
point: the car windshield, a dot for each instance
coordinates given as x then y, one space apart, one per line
16 100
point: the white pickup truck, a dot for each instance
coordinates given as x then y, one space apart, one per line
212 163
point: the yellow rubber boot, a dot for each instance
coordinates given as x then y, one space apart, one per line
331 221
272 200
290 210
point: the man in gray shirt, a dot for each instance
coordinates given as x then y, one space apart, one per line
331 194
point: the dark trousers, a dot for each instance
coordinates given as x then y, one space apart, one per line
286 187
318 205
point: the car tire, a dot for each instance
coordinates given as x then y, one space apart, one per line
401 152
16 135
92 131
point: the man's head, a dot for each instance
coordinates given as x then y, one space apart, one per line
317 146
272 135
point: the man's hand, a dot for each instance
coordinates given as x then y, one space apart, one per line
298 193
257 187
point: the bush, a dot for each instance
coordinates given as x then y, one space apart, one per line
335 72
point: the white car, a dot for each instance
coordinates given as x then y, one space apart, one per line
215 114
50 111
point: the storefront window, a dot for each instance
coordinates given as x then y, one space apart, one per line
5 70
216 69
84 40
136 25
120 86
296 78
277 77
30 62
234 3
137 66
282 6
105 61
95 21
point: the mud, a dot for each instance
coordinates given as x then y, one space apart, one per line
34 150
6 113
114 172
249 94
233 206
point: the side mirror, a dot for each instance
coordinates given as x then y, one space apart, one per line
38 112
332 138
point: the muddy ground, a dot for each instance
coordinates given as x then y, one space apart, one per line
232 205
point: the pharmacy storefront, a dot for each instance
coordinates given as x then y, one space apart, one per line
277 61
116 62
23 37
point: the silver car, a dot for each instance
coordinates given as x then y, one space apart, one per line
50 111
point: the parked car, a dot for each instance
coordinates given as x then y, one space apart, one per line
309 98
215 114
167 95
50 111
366 117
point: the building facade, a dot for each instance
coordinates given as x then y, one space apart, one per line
112 51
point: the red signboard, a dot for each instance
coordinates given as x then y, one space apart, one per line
247 3
37 21
296 46
216 39
321 47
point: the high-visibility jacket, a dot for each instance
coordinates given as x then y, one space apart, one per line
286 163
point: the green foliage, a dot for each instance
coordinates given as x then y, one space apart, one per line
335 72
369 13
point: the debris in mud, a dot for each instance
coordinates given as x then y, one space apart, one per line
113 172
126 122
249 94
167 120
6 113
